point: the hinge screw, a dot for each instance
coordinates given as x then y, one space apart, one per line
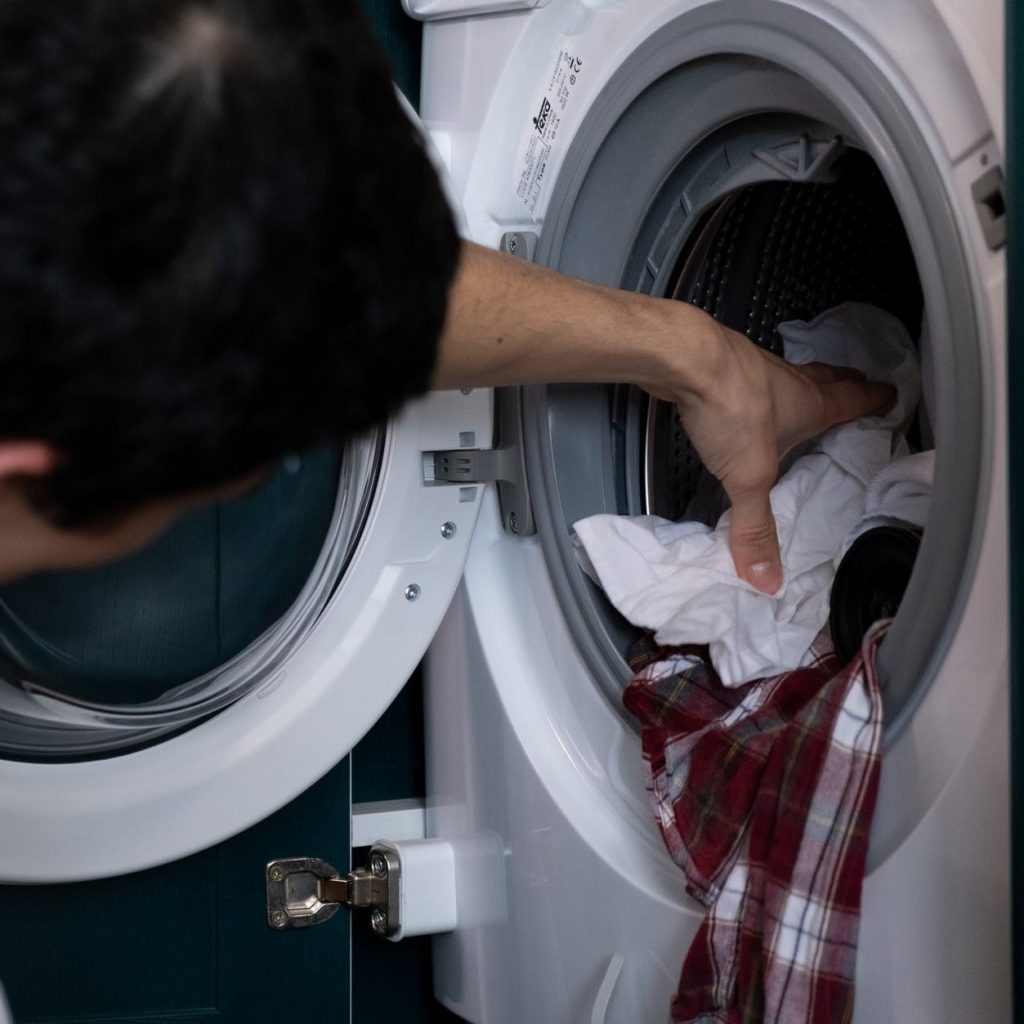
379 921
513 522
276 874
412 592
278 918
448 531
378 864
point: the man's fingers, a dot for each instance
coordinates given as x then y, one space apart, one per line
824 373
850 399
754 542
848 395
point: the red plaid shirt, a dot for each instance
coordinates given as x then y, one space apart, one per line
764 794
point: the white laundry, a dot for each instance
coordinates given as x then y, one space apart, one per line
898 495
678 579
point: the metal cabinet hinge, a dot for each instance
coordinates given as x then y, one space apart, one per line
304 891
505 465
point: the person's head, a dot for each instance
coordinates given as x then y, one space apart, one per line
221 241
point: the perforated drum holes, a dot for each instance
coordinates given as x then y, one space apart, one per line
771 253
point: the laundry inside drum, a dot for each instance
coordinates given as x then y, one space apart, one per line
754 257
766 255
763 256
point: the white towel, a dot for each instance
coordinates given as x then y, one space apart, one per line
679 580
898 495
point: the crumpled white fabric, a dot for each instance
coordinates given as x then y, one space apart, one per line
898 495
678 579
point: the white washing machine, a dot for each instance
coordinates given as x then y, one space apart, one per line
764 159
671 147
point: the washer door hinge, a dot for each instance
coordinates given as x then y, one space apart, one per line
505 465
408 886
304 891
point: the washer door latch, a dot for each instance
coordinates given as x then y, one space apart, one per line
304 891
504 465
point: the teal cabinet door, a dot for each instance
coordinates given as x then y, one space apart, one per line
187 942
1015 389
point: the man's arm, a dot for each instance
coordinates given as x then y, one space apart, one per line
510 322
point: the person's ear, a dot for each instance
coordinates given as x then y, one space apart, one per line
26 458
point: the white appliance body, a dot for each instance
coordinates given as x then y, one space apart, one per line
569 907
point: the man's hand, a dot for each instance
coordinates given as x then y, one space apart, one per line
744 409
513 323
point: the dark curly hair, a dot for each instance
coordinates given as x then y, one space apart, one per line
221 240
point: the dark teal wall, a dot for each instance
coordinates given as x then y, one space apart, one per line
187 942
1015 370
401 38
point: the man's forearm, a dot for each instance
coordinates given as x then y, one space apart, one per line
513 323
510 322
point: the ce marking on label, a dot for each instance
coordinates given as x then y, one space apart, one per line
575 64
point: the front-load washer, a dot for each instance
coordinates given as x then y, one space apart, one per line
765 160
144 715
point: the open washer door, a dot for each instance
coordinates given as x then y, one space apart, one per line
156 706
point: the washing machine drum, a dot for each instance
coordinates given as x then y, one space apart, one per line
756 256
766 255
109 659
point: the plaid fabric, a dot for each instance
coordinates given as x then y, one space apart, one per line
764 794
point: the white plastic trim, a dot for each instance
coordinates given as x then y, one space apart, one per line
426 888
438 147
396 819
435 10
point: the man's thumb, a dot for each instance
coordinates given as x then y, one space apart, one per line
754 542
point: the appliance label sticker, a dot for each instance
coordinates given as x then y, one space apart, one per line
547 114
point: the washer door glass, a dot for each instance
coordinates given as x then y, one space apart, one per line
107 659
